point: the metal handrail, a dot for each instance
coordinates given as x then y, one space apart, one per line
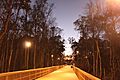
28 74
82 75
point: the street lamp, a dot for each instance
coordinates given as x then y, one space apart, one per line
52 59
58 58
86 57
27 45
58 61
77 52
52 56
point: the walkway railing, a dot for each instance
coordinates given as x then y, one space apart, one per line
28 74
82 75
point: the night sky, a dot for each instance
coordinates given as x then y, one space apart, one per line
66 12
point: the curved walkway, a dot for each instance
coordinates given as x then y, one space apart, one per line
65 73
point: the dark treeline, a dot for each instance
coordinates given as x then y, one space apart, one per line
24 20
98 49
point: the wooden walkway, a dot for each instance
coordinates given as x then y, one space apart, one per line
65 73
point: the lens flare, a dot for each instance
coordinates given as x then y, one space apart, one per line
113 2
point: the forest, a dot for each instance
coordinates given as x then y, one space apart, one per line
30 21
98 49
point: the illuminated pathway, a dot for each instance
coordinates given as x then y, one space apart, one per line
65 73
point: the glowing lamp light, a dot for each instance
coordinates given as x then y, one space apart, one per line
27 44
113 2
77 52
58 58
114 5
52 56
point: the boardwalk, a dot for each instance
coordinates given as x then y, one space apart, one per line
65 73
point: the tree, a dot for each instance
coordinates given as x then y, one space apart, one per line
100 24
28 22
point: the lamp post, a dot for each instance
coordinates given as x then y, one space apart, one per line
52 59
88 64
77 52
58 60
27 46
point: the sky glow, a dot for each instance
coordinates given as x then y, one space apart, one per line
66 12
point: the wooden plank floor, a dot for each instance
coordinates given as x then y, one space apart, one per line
65 73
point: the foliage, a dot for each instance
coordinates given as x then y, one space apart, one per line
24 20
98 43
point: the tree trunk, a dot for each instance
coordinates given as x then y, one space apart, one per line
11 53
34 63
98 60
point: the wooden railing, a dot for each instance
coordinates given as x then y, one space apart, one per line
28 74
82 75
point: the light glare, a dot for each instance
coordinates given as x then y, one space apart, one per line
27 44
113 2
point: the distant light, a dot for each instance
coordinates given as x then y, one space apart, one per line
52 56
58 58
86 57
27 44
68 58
77 52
